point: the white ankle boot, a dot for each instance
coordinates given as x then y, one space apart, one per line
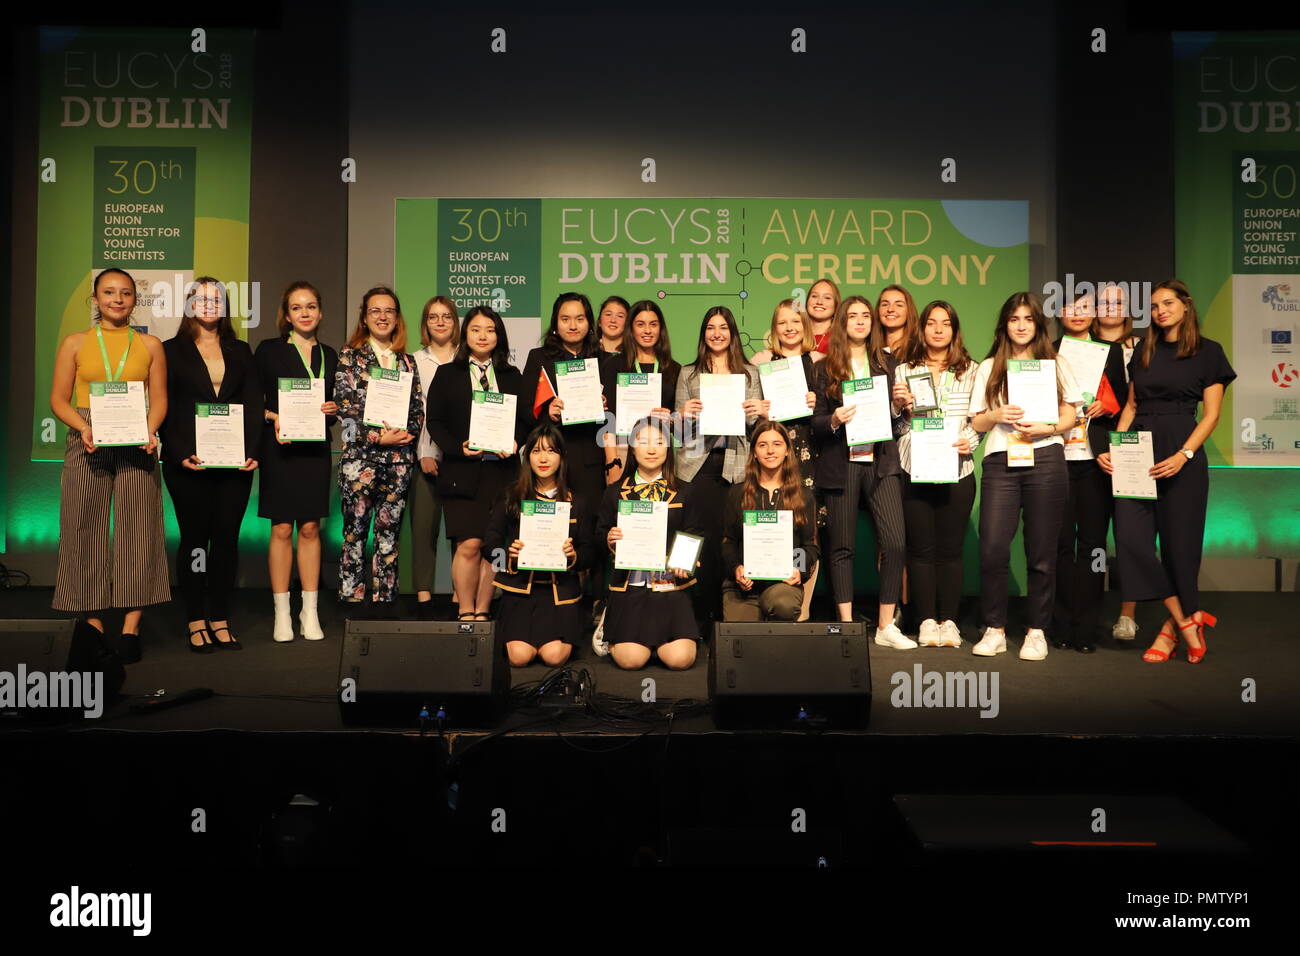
283 632
311 630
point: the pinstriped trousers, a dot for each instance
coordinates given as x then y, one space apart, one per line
885 499
131 570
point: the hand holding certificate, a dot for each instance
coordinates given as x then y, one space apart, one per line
301 418
722 400
543 528
1087 360
644 544
577 386
786 387
1132 457
388 398
219 435
492 422
1031 386
117 414
871 421
768 545
638 393
933 450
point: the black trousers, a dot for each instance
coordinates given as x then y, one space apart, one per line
936 529
885 499
210 505
1039 493
1081 552
709 490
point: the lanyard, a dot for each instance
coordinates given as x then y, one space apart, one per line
305 364
656 368
114 376
379 358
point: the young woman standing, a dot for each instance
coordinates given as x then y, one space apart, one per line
646 348
440 333
1038 489
823 304
375 470
295 476
207 363
612 323
937 514
1175 369
540 613
1088 504
866 473
773 482
713 463
470 481
130 570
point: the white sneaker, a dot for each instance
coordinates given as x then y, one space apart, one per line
949 634
1035 646
993 642
283 632
891 636
598 643
1125 629
930 635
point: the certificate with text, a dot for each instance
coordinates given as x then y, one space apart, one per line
768 545
492 422
577 385
1031 386
644 545
388 398
300 402
543 528
117 414
1132 456
871 422
219 435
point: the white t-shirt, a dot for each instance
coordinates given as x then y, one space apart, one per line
997 440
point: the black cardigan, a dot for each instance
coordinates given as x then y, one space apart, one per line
733 537
832 449
448 402
566 586
682 516
188 384
1100 427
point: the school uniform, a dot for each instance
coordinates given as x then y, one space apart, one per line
469 486
645 607
846 484
583 453
766 600
210 504
537 607
1167 393
294 478
373 478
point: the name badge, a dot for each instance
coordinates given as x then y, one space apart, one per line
1020 452
862 453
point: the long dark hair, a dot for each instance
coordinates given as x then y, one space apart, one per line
501 354
909 321
735 355
554 345
1189 329
917 352
189 327
1040 347
525 488
665 432
791 478
838 365
663 349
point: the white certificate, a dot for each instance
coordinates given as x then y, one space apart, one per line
300 416
1031 387
1087 360
637 394
768 545
492 422
871 422
117 414
934 459
644 545
786 386
219 435
577 384
1132 456
543 528
388 398
723 401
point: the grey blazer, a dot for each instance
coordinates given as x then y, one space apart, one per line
695 449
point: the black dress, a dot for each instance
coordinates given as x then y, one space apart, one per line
294 478
1166 395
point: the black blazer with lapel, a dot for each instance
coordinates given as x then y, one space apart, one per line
682 516
188 384
448 403
832 449
565 587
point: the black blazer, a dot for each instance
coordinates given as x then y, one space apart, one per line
565 586
188 384
580 442
448 403
612 364
831 449
277 359
1099 427
682 516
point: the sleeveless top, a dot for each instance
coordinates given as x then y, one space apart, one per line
90 363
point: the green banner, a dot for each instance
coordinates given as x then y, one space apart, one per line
145 145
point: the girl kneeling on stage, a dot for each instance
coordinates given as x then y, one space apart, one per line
772 483
540 612
648 611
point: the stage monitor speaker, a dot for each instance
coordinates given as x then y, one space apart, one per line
770 675
55 646
390 671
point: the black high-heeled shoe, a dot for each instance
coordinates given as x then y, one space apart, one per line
207 646
230 645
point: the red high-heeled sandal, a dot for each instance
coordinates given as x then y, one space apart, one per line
1153 654
1202 620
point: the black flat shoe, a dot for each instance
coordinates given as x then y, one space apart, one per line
1087 647
230 645
1062 643
207 647
128 648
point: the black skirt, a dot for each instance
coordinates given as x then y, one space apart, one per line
468 517
641 615
294 481
535 618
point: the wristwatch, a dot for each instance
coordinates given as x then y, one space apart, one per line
1188 453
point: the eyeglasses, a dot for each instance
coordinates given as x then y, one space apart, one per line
385 313
440 317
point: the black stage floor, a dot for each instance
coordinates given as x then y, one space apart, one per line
272 687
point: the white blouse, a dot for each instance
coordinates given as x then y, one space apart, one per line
427 364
